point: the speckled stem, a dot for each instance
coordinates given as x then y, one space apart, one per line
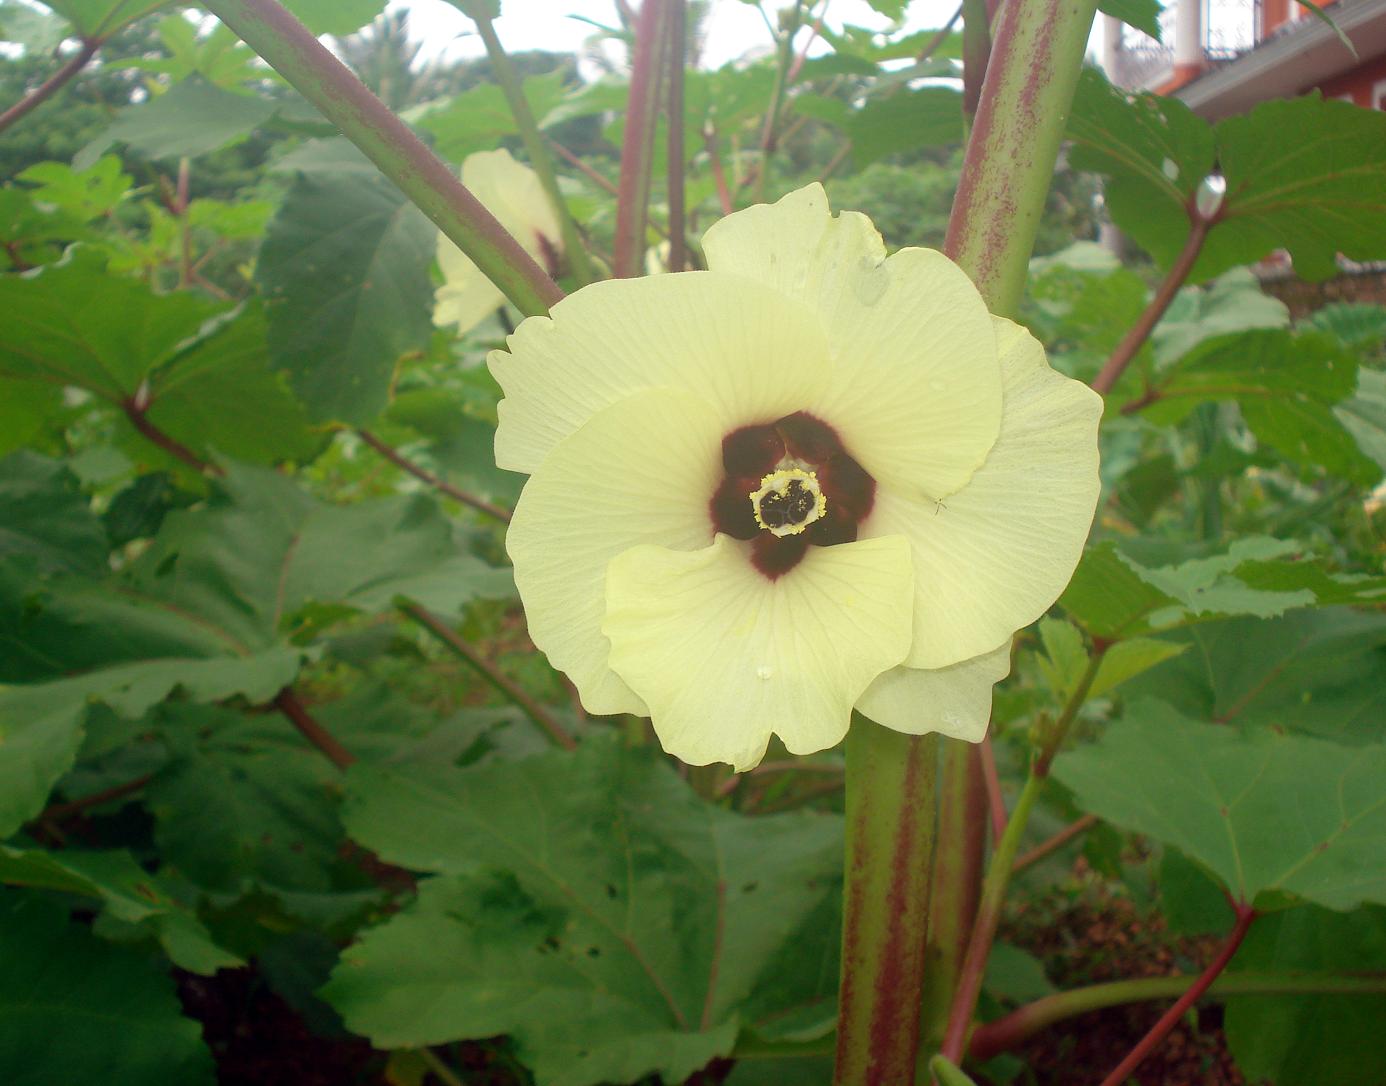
1036 55
291 50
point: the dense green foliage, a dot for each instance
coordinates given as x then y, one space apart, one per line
216 593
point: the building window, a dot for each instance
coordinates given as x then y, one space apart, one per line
1379 94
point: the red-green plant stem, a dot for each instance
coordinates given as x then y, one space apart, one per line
1074 829
957 883
1001 867
891 821
603 183
135 410
673 111
1036 55
288 703
291 50
637 147
51 85
1245 916
1139 332
479 11
541 717
932 45
719 175
996 802
988 917
390 453
58 811
976 52
786 59
1004 1034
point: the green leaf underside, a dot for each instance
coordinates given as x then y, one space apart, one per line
205 610
587 903
345 274
76 1009
1274 817
1319 673
1303 174
1114 596
1305 1038
191 118
128 893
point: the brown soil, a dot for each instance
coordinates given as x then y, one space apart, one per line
1102 937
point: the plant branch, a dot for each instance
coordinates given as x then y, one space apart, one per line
1002 866
891 822
719 175
992 1038
932 45
976 53
602 182
291 49
390 453
988 917
59 811
1036 55
1245 915
136 409
51 85
288 703
957 883
995 801
1074 829
531 708
504 69
1130 343
674 122
637 148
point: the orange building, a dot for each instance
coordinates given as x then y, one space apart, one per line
1223 56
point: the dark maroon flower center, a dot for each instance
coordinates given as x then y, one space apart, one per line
794 446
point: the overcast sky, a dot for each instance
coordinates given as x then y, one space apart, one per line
732 28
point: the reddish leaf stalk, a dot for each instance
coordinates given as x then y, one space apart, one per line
288 703
1130 343
51 85
678 243
531 708
577 163
390 453
995 801
1074 829
58 811
637 149
1245 915
135 410
719 175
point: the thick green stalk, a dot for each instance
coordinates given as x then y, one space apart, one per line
891 816
957 882
1036 55
1014 1029
289 48
637 145
509 79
